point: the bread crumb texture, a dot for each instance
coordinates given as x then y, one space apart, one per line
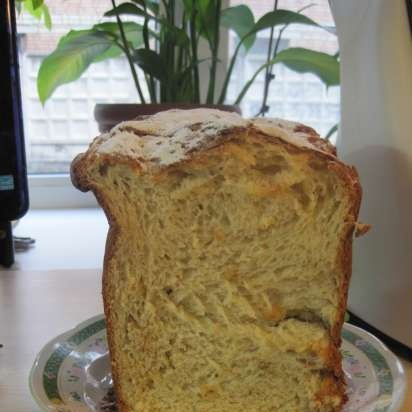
227 262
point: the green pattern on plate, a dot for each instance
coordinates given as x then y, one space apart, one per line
59 374
53 364
379 363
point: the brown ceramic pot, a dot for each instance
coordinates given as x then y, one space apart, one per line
108 115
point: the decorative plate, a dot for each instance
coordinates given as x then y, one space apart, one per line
72 372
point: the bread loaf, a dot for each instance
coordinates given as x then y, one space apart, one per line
227 262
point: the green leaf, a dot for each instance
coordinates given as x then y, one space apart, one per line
280 17
271 19
71 35
132 9
151 63
239 19
152 5
176 35
46 16
37 3
38 9
126 8
31 4
301 60
206 18
201 15
141 3
34 12
69 61
188 6
184 80
132 31
188 69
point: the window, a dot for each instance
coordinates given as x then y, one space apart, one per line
64 126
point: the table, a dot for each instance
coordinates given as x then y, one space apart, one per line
37 306
34 308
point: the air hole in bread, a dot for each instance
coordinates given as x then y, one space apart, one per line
301 192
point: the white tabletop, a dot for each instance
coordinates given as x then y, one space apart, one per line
34 308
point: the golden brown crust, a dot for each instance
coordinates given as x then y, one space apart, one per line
173 136
110 242
305 140
332 388
297 134
78 172
111 239
351 179
361 229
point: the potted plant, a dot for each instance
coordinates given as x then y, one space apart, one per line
163 40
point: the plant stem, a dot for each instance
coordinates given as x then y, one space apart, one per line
150 80
127 52
276 49
167 87
269 63
179 61
162 50
269 69
250 82
196 91
332 131
214 46
171 54
264 108
222 96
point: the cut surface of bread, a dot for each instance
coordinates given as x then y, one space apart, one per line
227 262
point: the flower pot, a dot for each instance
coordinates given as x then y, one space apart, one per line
108 115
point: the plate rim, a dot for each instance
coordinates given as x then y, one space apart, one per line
396 367
50 343
392 360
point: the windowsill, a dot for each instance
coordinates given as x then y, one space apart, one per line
56 191
65 239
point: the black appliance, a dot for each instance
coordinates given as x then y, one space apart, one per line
14 199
